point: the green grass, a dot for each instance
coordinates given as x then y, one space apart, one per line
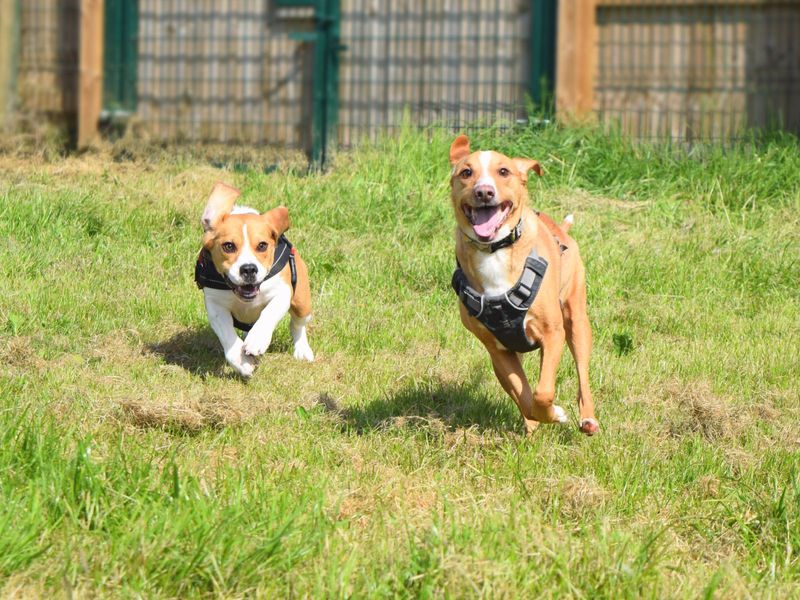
134 464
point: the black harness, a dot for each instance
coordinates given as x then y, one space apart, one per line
207 276
504 314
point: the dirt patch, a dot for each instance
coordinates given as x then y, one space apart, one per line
708 486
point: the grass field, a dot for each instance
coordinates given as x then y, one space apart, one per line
133 463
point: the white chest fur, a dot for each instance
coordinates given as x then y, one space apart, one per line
492 270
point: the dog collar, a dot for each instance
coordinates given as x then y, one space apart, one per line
492 247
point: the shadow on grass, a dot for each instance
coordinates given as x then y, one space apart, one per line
195 350
199 352
437 407
432 405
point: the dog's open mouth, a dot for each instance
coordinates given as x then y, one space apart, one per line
247 292
486 220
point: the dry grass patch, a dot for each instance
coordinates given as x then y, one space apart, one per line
192 416
17 353
576 496
696 409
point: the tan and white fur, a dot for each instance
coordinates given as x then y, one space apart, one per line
242 245
489 197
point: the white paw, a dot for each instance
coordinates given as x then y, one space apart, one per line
302 351
244 365
559 414
256 344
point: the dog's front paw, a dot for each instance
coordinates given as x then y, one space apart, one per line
559 414
243 364
256 344
247 367
302 351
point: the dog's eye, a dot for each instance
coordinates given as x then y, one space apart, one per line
262 247
228 247
504 172
466 173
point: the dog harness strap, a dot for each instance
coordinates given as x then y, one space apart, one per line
241 326
504 315
284 252
207 276
293 268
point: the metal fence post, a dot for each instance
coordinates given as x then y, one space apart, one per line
120 56
325 80
543 53
332 74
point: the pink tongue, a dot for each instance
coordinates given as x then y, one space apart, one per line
487 220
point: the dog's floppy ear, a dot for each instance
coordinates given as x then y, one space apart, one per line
527 164
278 218
459 149
219 204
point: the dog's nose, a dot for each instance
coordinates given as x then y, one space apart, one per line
248 272
484 193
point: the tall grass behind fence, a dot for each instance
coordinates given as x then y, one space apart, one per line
687 71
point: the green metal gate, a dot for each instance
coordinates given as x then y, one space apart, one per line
120 60
325 80
276 72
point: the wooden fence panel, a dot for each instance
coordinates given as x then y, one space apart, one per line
694 69
48 57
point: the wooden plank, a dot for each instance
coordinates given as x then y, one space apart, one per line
7 38
576 58
90 72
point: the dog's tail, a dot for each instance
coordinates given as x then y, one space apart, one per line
567 222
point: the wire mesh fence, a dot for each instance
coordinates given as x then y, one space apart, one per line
247 70
239 74
213 72
448 63
48 56
687 71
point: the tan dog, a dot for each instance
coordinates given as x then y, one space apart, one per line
251 276
495 236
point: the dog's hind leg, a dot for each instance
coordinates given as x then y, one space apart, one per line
297 327
579 339
300 312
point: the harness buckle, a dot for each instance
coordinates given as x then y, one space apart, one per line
473 302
